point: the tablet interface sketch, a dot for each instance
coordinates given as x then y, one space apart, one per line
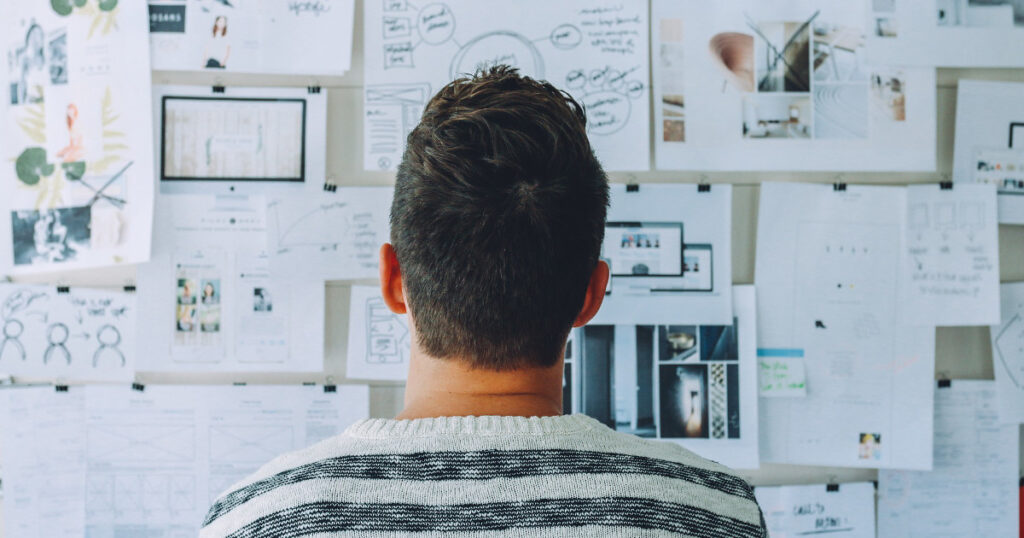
596 52
378 340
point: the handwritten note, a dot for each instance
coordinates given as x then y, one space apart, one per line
952 256
781 377
818 509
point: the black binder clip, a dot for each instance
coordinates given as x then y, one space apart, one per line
60 388
632 187
703 187
330 388
218 89
946 185
130 288
839 187
330 187
63 289
138 387
313 89
945 383
832 488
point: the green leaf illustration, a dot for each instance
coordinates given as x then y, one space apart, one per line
74 171
62 7
108 5
31 166
80 3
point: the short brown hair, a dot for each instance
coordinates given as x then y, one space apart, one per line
498 219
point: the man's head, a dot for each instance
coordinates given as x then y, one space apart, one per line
497 223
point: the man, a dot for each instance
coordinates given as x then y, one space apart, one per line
496 229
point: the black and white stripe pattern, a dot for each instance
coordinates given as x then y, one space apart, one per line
488 477
481 465
325 517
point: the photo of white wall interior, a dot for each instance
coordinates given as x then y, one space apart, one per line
664 381
980 13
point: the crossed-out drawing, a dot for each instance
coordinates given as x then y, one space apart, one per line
109 338
57 335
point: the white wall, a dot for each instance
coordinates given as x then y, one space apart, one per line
962 353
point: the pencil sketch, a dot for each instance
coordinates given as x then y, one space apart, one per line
387 335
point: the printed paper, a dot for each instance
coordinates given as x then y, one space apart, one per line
1008 355
67 334
791 511
972 489
378 339
753 85
989 146
828 285
252 36
669 248
695 385
76 142
595 51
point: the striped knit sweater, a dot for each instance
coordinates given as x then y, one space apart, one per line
487 477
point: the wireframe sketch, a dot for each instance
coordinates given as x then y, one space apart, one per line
597 54
78 333
387 335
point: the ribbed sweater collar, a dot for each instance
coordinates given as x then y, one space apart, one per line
379 428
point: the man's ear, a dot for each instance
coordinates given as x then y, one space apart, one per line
595 294
391 280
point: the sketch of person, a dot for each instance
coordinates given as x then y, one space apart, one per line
57 336
75 150
12 333
218 48
109 338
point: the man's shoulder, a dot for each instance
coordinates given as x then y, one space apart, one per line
595 475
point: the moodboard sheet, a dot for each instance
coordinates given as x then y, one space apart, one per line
1008 355
946 33
379 340
695 385
596 51
67 334
830 261
113 461
951 267
252 36
213 304
328 235
754 85
42 454
989 142
844 509
972 490
75 136
669 248
239 139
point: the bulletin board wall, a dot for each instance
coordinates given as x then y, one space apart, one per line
961 352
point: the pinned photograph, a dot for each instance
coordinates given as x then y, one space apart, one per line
776 116
261 301
187 291
211 291
783 55
840 110
185 318
889 96
50 235
676 342
870 447
684 401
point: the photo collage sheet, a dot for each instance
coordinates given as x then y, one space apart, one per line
787 87
75 142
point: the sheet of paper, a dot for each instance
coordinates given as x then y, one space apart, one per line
329 235
754 85
253 36
791 511
670 252
378 339
972 490
125 462
781 377
597 51
989 144
1008 355
828 287
213 304
42 454
76 142
946 33
695 385
76 335
952 262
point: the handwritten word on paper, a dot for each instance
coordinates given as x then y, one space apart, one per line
783 377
